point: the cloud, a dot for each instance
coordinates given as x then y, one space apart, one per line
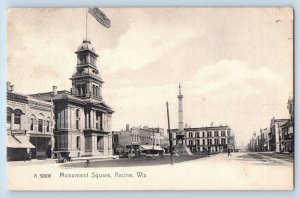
144 43
228 75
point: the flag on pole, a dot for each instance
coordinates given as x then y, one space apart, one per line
100 17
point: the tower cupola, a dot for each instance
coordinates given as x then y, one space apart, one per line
86 80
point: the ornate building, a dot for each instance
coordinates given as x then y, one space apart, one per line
213 138
30 125
82 117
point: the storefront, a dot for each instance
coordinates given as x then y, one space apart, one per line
18 148
42 147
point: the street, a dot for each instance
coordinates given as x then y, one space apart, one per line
241 170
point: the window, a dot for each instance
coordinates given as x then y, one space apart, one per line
203 134
209 134
88 143
203 141
216 134
17 116
77 118
228 133
222 133
31 123
78 142
48 126
209 141
216 141
8 115
40 125
116 138
223 141
94 90
197 135
63 141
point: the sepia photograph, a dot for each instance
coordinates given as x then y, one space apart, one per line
150 99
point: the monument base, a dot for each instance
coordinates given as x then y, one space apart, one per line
182 150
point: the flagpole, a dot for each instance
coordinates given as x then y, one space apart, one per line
86 16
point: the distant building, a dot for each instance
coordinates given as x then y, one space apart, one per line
288 129
214 138
253 144
30 124
265 141
275 134
131 138
83 119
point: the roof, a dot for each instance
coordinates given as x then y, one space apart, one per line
18 142
66 95
205 128
150 147
86 46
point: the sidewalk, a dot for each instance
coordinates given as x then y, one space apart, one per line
53 161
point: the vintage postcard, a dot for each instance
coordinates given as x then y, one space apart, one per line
150 99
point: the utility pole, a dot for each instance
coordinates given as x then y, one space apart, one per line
170 135
153 141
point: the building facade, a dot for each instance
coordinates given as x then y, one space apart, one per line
288 129
131 138
275 134
264 139
83 119
215 139
30 124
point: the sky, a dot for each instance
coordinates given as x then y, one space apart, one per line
235 65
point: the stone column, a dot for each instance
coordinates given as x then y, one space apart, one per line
103 122
86 120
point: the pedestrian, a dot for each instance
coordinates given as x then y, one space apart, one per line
228 152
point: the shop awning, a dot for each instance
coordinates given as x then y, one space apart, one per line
18 142
150 147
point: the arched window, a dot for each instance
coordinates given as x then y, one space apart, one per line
32 122
40 122
97 91
94 90
8 114
78 90
18 114
83 89
78 142
77 118
48 121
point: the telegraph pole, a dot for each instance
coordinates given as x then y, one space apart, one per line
170 135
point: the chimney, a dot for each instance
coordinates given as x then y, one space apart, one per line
11 88
8 86
54 90
127 127
211 124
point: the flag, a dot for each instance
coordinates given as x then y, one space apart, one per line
100 17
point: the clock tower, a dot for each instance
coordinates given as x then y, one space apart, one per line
86 81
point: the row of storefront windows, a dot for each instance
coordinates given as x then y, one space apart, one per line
209 141
209 134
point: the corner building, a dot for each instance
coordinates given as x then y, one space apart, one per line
216 139
83 119
29 127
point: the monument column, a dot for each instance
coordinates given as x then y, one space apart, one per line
181 148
